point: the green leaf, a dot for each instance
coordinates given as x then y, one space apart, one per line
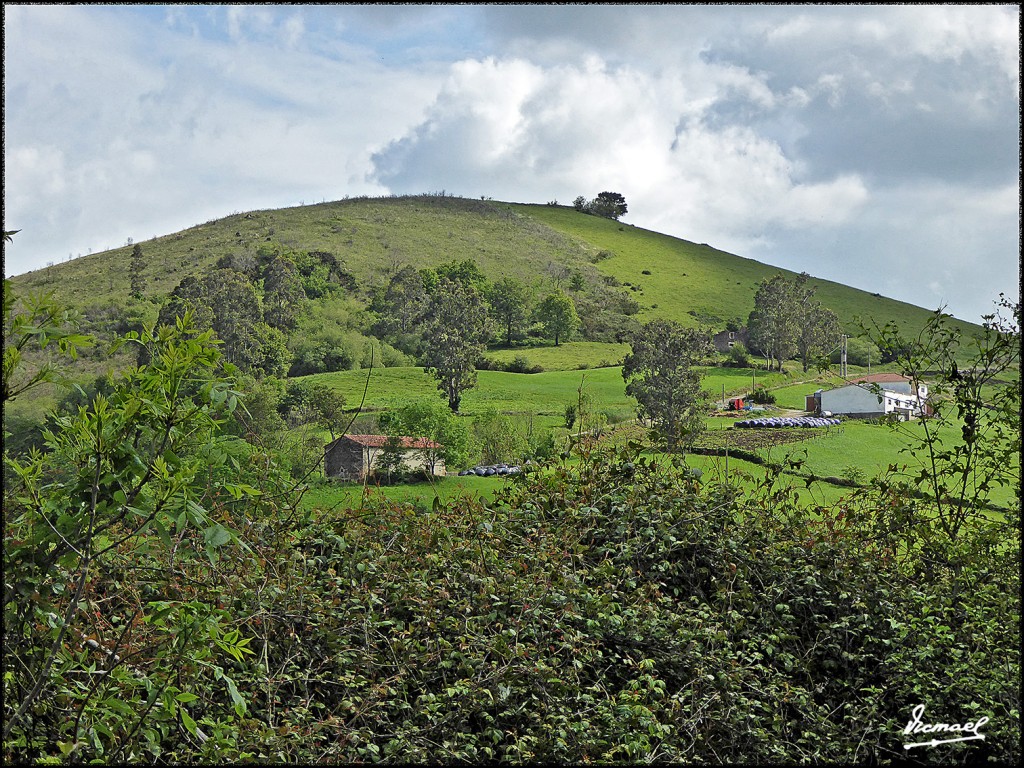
187 721
236 697
216 536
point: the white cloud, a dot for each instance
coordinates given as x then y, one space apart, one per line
874 142
522 127
194 128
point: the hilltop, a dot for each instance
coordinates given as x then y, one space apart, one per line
668 277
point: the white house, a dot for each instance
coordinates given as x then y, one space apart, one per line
859 399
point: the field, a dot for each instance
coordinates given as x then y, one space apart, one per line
694 284
571 355
856 450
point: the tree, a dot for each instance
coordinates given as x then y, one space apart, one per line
35 323
819 333
136 272
558 315
509 300
189 295
466 271
610 205
318 404
498 438
236 311
773 322
455 332
268 355
738 356
975 391
401 305
660 373
115 516
283 295
818 327
430 420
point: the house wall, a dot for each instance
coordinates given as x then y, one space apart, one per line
852 401
859 401
723 340
348 460
413 460
896 386
344 461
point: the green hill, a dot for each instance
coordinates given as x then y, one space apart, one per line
374 237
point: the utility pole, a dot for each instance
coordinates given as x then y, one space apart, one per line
842 358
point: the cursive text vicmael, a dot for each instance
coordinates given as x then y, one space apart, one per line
916 726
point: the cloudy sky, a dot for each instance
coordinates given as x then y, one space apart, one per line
872 145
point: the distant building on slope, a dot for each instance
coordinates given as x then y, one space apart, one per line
724 340
353 457
859 400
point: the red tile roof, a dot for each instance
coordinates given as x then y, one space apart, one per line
381 441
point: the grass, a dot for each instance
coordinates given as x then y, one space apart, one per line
568 356
691 282
868 447
694 284
347 496
688 282
542 395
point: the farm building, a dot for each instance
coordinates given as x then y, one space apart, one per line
724 340
859 400
353 457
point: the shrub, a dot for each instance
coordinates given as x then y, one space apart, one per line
738 355
762 396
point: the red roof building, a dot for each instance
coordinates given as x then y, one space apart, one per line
354 457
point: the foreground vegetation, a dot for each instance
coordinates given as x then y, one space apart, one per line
168 599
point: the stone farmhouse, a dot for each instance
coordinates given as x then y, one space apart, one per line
859 400
353 457
724 340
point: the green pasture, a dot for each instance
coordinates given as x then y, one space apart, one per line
340 497
568 356
336 497
695 283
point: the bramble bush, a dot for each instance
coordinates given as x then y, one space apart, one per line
163 601
613 608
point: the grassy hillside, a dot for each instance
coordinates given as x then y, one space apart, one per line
688 282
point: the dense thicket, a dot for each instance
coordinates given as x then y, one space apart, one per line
163 601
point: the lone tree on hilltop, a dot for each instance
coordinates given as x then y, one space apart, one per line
661 374
610 205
